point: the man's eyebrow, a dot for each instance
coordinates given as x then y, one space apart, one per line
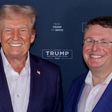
24 27
7 28
89 37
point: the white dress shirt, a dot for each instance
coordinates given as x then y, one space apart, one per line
91 94
19 84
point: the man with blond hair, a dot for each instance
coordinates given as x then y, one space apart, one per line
27 83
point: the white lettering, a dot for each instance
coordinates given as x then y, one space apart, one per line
47 53
57 26
66 53
57 53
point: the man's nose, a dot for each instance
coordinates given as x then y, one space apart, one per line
15 35
95 46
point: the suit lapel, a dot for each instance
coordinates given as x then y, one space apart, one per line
35 84
105 100
80 92
80 87
5 99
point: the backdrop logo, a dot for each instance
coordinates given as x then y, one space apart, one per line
57 27
57 54
83 26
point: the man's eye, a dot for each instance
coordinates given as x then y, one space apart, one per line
90 41
23 30
104 42
8 31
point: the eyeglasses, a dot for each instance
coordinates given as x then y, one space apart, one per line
102 43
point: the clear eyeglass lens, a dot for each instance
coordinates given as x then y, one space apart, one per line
103 43
100 42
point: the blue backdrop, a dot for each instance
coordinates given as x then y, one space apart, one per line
60 25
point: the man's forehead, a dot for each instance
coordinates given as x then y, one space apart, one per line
10 23
98 32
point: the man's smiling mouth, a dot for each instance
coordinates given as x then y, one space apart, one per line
16 45
95 56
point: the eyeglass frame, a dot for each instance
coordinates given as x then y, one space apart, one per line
105 42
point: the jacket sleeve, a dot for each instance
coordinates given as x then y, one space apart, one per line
59 95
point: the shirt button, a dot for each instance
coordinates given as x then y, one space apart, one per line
17 95
93 94
16 79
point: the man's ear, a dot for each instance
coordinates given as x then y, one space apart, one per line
33 35
0 35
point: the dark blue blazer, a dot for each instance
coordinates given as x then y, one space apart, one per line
75 91
45 87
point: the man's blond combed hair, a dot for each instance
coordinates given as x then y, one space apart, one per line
8 11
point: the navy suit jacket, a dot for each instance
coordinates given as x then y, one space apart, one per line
45 87
75 91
